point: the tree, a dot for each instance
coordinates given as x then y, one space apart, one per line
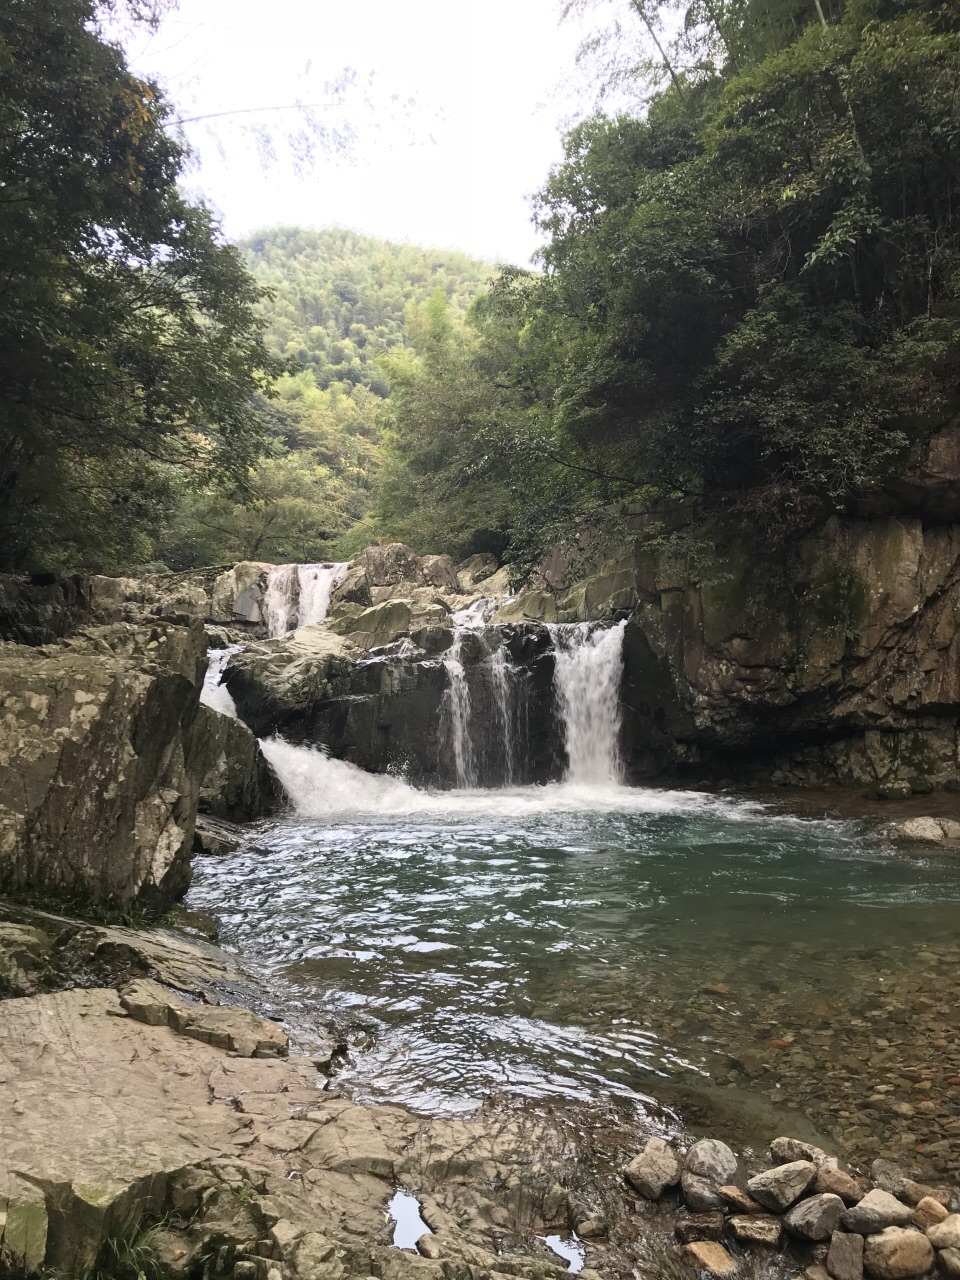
130 346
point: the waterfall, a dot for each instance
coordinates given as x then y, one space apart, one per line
455 713
299 594
214 694
501 682
589 666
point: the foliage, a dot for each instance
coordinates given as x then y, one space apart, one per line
750 304
129 334
338 307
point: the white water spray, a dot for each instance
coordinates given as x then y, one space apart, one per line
297 595
501 680
214 694
589 667
455 712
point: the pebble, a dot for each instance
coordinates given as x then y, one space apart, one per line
710 1257
896 1254
845 1256
778 1188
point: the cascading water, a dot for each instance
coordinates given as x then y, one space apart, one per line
501 680
317 583
214 694
297 595
587 674
455 712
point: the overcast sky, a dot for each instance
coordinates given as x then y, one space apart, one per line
489 84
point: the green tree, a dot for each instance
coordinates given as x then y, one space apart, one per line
130 346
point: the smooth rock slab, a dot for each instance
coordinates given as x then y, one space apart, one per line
710 1257
656 1168
816 1218
845 1256
755 1228
877 1210
945 1234
896 1253
777 1189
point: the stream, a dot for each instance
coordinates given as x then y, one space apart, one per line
691 958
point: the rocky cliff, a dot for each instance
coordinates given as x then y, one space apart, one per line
98 794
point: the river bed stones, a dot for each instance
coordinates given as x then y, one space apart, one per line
897 1253
929 1212
816 1218
945 1234
654 1170
710 1257
845 1256
756 1229
878 1209
778 1188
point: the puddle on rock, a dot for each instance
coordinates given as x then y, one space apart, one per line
404 1209
571 1250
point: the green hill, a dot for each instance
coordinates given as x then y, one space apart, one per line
340 297
342 302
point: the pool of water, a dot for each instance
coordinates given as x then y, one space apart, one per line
595 944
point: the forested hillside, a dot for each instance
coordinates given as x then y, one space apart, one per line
750 309
338 305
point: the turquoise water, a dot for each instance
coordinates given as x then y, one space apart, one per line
593 944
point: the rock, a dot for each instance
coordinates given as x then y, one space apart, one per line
98 796
236 783
838 1183
739 1201
921 830
223 1026
711 1257
948 1262
699 1226
712 1160
817 1271
24 958
877 1210
700 1194
950 828
816 1218
216 839
532 606
654 1170
778 1188
913 1192
945 1234
888 1176
476 569
789 1150
929 1212
428 1246
755 1228
845 1256
896 1253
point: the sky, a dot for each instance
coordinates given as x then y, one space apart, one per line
454 113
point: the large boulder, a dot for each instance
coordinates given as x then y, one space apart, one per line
97 791
236 782
41 609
